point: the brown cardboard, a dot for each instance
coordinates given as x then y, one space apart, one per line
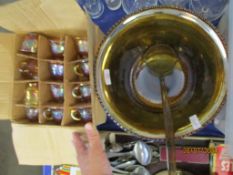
40 144
43 16
6 74
95 37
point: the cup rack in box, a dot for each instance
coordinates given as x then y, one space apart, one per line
44 59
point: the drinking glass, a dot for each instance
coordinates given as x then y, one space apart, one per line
82 92
30 43
81 114
113 4
95 8
210 9
130 6
57 91
32 113
31 95
53 114
82 70
57 70
82 46
57 47
28 69
180 3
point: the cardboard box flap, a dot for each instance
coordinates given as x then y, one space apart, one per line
6 73
52 145
43 15
94 40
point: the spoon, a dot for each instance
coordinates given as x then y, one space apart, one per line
120 160
161 60
138 170
141 151
115 147
117 171
126 164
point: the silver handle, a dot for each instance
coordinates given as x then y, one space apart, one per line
111 155
126 164
120 171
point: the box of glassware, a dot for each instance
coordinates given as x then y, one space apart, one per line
46 82
51 80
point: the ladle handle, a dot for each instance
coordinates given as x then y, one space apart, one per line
169 130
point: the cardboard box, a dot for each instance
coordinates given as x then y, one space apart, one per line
40 144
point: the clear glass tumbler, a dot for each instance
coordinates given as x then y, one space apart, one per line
210 9
130 6
179 3
95 8
113 4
